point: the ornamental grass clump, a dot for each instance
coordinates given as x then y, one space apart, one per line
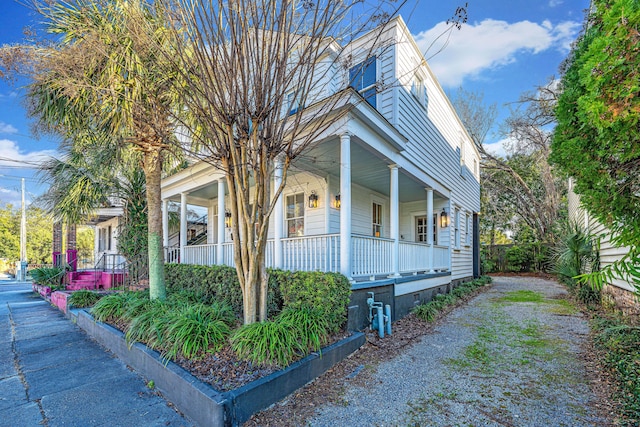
293 334
195 330
111 308
84 298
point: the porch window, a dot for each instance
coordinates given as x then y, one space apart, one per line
295 215
421 229
457 228
435 228
362 78
377 219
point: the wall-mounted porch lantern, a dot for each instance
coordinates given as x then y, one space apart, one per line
444 219
313 200
337 202
227 219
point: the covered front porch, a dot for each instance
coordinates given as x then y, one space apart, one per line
370 256
353 204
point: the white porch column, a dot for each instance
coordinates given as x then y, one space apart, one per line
345 205
278 218
394 221
430 225
221 219
183 224
165 222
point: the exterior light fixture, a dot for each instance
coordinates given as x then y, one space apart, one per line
444 219
313 200
337 203
227 219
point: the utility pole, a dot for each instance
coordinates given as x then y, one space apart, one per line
23 239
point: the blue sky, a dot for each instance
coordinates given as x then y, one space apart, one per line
506 48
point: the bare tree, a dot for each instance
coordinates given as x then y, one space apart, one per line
523 182
260 89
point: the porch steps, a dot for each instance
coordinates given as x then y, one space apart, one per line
84 280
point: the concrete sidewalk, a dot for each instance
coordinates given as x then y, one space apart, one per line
53 374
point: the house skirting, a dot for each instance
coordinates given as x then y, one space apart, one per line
401 293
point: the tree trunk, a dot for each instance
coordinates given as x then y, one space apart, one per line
153 174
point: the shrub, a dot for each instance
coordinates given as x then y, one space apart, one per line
84 298
49 276
218 283
311 324
327 292
619 342
588 295
518 258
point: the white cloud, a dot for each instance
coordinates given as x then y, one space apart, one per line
491 44
497 148
8 196
11 155
7 128
555 3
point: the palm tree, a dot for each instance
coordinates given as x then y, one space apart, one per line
103 83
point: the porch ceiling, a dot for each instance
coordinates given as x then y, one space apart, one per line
368 169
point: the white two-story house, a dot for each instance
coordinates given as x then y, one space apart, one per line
388 197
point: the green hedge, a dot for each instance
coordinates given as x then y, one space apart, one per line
328 292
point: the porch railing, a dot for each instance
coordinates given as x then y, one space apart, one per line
441 258
370 256
172 254
413 257
311 253
200 254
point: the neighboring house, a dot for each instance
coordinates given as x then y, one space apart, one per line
105 223
389 197
621 291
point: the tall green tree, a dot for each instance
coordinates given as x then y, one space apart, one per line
597 140
102 81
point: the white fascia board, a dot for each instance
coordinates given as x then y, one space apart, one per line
372 138
194 177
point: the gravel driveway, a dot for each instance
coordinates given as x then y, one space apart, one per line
510 357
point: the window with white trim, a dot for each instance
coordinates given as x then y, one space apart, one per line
467 230
295 215
422 228
362 77
419 90
435 228
293 102
376 219
456 225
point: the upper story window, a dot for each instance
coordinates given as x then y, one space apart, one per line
419 90
362 77
293 102
295 215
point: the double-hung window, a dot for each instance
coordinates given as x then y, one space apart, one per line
362 78
295 215
457 228
293 102
377 219
421 229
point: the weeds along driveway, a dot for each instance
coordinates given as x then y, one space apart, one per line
510 357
